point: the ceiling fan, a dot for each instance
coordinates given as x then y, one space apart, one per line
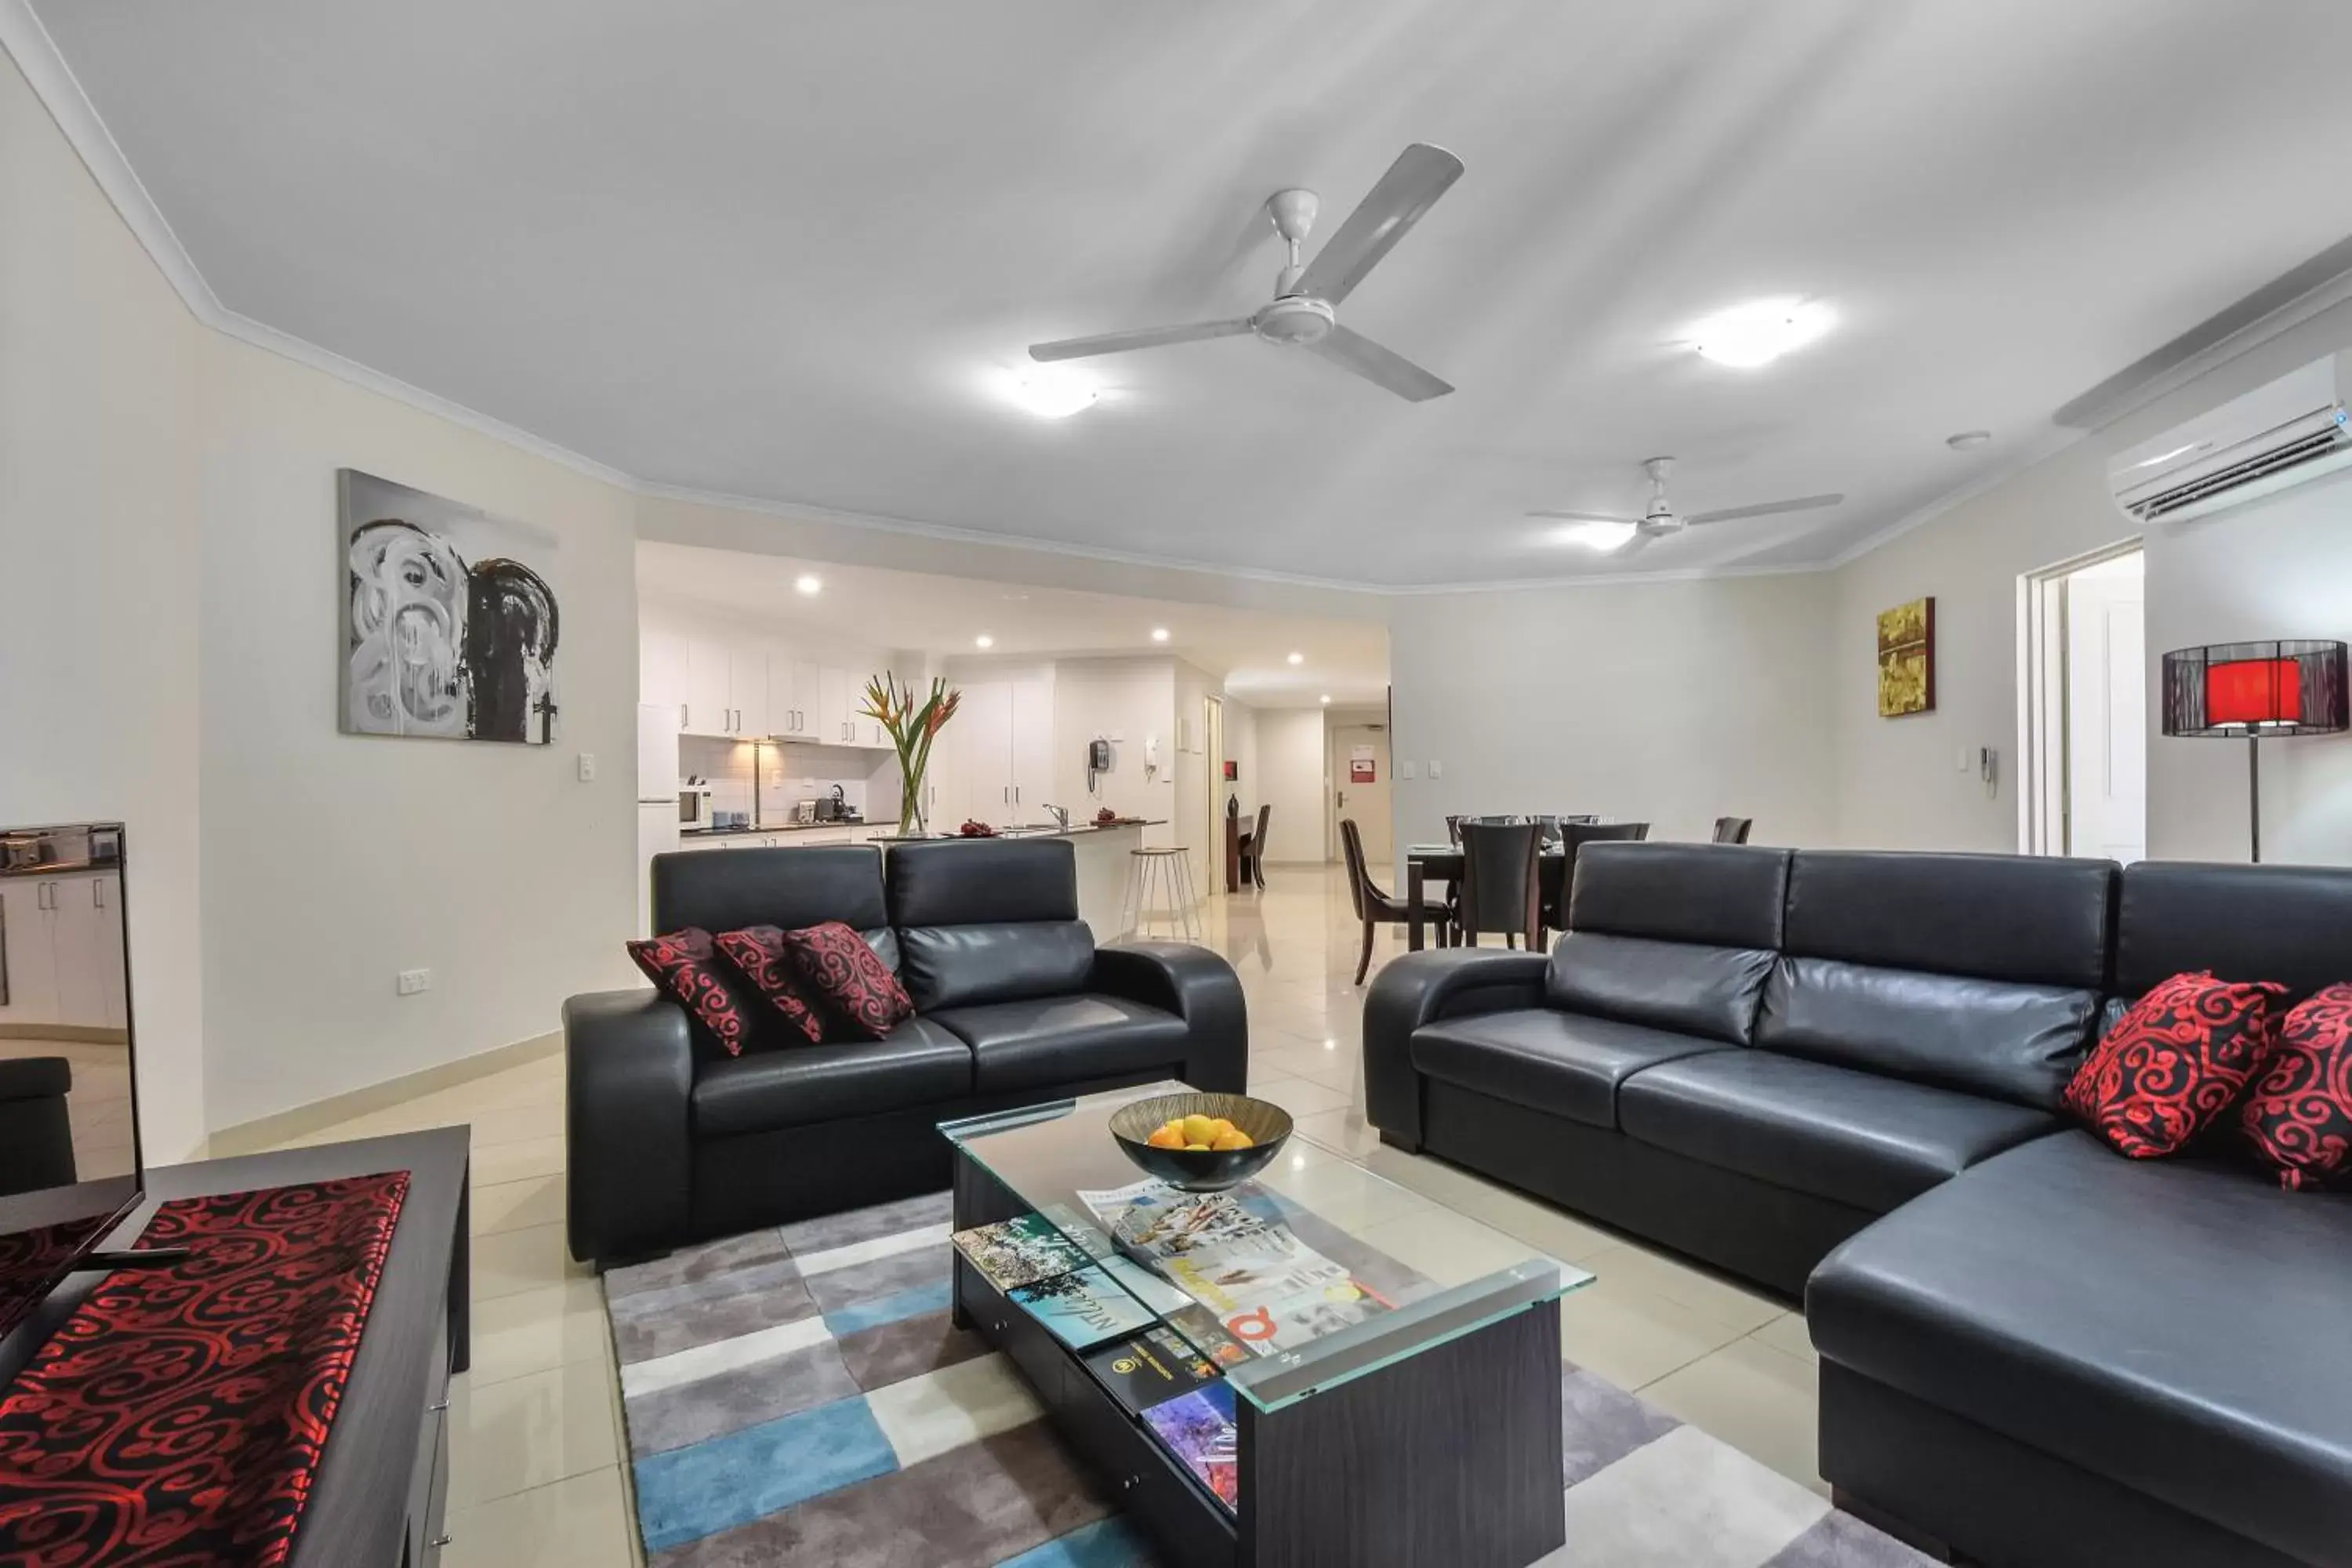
1303 312
1627 534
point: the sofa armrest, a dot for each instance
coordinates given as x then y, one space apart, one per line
629 1071
1198 987
1420 988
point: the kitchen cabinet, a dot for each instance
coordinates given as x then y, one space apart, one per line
741 687
661 669
748 690
63 950
710 700
999 765
794 686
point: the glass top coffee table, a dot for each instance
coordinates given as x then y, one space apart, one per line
1366 1375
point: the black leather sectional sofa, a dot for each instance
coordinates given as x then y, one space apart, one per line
673 1142
1839 1074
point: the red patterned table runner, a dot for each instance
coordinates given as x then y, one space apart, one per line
179 1416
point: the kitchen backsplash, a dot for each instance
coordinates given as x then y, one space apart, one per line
791 773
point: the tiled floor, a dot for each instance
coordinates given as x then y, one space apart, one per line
537 1478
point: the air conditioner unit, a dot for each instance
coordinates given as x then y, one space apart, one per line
2293 430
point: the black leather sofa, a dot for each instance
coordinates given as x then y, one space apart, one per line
1839 1074
672 1141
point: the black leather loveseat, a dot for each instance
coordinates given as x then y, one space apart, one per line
2033 1351
673 1142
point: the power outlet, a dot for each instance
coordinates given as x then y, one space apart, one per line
1436 769
587 767
1408 770
409 982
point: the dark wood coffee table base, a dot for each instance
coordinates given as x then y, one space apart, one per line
1449 1457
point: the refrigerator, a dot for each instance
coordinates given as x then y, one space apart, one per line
656 798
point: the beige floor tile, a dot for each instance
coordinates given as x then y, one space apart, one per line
582 1522
512 1261
514 1162
1342 1131
1340 1190
1743 1308
1632 1337
1537 1224
515 1125
510 1205
534 1331
530 1431
1760 1400
1299 1096
1787 1334
1445 1246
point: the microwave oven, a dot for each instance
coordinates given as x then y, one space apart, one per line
694 808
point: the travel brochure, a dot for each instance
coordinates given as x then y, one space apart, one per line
1160 1290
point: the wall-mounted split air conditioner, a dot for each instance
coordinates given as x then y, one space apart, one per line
2288 433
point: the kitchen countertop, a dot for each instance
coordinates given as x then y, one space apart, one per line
776 827
60 868
1073 831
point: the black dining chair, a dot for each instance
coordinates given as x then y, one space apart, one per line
1552 825
1733 829
1575 836
1373 905
1501 882
1253 850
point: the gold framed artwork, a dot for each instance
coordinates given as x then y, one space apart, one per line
1906 659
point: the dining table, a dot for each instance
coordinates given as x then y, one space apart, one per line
1425 863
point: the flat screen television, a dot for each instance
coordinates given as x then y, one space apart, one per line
69 1164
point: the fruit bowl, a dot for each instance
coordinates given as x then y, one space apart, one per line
1202 1170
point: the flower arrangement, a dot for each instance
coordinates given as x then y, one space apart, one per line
912 730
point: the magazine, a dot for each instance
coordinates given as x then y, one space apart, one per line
1150 1368
1089 1238
1200 1328
1084 1308
1146 1286
1198 1428
1015 1252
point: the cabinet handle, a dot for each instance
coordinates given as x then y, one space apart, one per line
98 894
436 1409
438 1541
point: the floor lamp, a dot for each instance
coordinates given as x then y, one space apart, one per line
2248 691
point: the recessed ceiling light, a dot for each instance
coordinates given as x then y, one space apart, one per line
808 582
1298 658
1968 440
1050 392
1760 332
1600 536
984 640
1326 699
1160 633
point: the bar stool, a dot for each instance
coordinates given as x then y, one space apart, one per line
1169 871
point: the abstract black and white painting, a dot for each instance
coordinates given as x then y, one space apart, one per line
449 631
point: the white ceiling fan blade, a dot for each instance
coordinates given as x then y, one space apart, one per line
1148 338
1421 174
1634 546
1583 517
1354 352
1768 508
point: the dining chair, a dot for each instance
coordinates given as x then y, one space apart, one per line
1454 830
1733 829
1552 825
1253 850
1373 905
1574 837
1501 886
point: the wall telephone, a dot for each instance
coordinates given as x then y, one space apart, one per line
1097 760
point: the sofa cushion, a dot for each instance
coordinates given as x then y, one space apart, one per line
2176 1327
1684 986
2299 1116
729 890
960 965
918 1063
2175 1064
2288 924
722 1011
760 956
2000 1038
1563 1064
1050 1041
855 984
975 881
2031 919
1719 895
1853 1137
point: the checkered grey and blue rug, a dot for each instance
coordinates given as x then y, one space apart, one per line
797 1397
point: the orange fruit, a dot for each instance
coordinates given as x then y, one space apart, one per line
1218 1128
1235 1139
1165 1138
1196 1147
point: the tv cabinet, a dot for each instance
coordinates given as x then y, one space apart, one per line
382 1483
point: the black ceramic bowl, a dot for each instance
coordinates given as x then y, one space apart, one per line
1202 1170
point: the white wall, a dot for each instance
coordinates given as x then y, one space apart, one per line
99 493
1292 770
335 860
2273 569
1132 699
1193 767
1669 703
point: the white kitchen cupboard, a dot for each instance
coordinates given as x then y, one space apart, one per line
710 700
793 684
63 950
1032 747
744 686
661 669
748 690
998 765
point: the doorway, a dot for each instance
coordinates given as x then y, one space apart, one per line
2086 708
1211 871
1359 783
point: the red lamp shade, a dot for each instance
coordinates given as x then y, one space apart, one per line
2255 689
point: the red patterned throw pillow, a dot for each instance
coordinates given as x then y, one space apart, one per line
850 976
2299 1116
2174 1064
758 953
683 965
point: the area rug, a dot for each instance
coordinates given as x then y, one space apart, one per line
797 1397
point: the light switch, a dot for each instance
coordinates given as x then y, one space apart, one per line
1963 762
587 767
1436 769
1407 770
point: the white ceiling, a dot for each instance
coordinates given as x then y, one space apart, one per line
781 250
873 607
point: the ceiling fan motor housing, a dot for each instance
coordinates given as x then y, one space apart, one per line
1297 321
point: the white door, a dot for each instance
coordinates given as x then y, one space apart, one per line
2106 713
1359 781
710 710
833 705
1032 744
794 686
985 754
